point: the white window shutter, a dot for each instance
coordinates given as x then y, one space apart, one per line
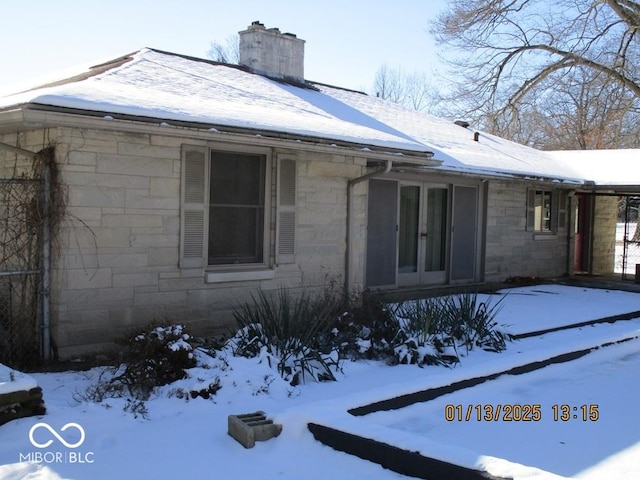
286 211
193 211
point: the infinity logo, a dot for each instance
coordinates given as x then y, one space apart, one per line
55 434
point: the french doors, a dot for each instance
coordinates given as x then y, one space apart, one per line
422 233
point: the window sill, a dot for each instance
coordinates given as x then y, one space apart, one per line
545 236
239 276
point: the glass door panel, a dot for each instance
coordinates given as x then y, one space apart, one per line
408 228
435 230
423 233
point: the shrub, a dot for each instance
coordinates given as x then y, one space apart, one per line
422 334
151 358
430 331
366 328
292 332
473 323
205 391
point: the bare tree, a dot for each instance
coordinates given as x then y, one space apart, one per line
227 52
562 74
411 89
582 112
590 112
575 60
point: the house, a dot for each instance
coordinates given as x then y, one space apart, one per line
610 175
190 184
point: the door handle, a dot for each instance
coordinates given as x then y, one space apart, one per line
424 234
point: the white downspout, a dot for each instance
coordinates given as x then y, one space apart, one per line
46 263
350 185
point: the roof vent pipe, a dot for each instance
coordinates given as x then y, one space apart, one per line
476 136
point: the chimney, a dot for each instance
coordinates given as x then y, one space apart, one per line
268 52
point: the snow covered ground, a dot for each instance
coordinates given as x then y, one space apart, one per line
557 439
13 381
633 250
188 439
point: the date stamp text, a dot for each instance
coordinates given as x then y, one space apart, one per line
519 413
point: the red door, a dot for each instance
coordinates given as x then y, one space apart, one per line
581 252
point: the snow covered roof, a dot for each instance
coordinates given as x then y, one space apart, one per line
165 86
168 87
615 168
456 146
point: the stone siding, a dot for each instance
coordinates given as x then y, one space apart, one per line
116 263
512 250
604 233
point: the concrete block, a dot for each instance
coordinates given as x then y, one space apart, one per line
249 428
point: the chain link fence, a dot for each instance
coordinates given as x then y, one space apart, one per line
628 236
19 320
23 226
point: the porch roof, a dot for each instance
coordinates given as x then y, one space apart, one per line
616 171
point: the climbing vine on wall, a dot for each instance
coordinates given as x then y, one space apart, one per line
31 209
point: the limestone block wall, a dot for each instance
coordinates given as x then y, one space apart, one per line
513 251
12 165
605 218
322 221
116 265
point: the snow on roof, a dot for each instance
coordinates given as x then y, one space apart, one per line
604 167
165 86
455 145
170 87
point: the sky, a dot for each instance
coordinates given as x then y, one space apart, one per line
346 41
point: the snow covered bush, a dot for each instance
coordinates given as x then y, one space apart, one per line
423 337
472 322
157 356
431 331
365 328
290 332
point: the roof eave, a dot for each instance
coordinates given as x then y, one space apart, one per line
610 189
35 116
490 174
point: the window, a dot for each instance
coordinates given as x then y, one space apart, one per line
236 208
226 219
546 210
542 211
